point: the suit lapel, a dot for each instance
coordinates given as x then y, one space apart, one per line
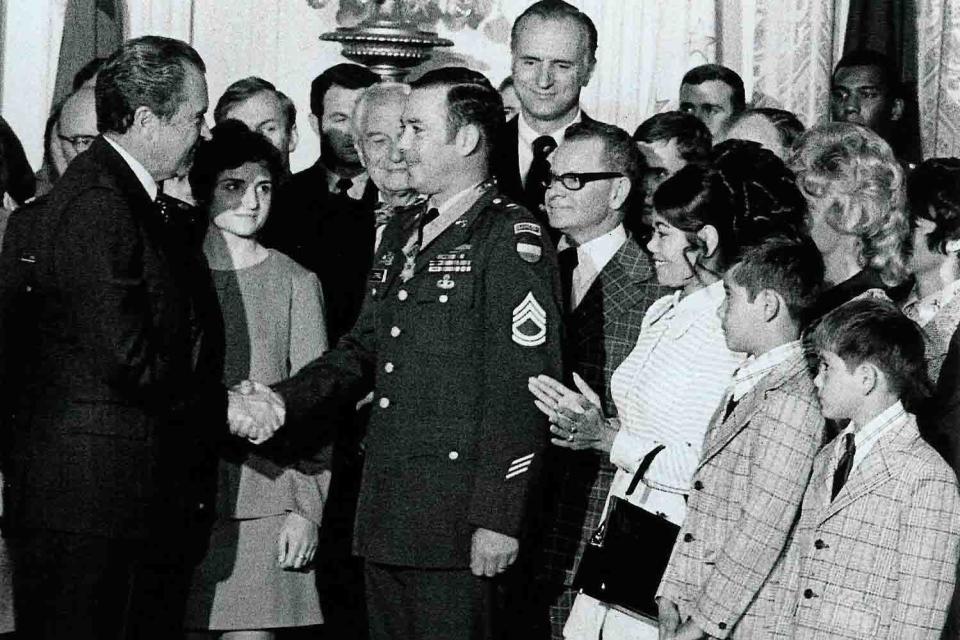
875 468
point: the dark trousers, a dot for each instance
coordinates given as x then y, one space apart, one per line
79 586
427 604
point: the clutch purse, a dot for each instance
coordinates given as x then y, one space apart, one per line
625 559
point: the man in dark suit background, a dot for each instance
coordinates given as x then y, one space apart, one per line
609 282
325 219
553 47
112 476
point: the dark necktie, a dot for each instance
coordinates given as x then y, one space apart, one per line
539 171
731 405
844 465
568 261
343 185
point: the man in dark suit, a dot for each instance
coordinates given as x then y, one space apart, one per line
112 475
553 47
609 282
325 217
461 310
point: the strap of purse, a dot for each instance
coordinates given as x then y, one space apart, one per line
642 469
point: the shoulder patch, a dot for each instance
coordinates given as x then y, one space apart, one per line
528 240
527 227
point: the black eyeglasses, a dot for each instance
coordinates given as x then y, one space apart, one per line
575 181
79 143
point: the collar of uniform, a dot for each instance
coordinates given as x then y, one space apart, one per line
355 192
527 134
149 184
756 367
866 436
451 210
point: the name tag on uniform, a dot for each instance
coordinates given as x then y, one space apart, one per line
377 275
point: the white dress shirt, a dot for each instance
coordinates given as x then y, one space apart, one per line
592 257
526 137
149 184
755 368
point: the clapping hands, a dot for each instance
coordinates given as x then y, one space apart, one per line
254 411
576 419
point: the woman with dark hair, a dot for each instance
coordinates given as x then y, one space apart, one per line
933 193
256 575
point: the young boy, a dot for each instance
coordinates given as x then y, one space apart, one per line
757 454
874 554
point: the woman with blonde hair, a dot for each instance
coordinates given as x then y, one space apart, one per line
855 191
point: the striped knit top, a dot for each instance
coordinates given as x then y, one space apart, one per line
666 391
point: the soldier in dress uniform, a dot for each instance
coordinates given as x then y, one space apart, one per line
461 308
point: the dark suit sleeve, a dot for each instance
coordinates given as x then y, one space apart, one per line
520 299
940 421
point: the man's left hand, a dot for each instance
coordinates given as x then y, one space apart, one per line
492 552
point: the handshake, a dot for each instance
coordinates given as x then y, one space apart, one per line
254 411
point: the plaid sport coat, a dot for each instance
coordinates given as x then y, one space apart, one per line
880 560
746 497
600 333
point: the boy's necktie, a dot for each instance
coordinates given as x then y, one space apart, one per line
844 465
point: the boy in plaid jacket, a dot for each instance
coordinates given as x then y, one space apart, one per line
757 455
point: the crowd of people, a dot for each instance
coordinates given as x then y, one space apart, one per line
421 389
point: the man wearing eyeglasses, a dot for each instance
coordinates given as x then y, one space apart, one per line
608 283
77 127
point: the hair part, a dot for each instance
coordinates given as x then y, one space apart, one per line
143 72
853 171
693 137
244 89
346 75
471 100
875 331
558 10
231 145
719 73
791 267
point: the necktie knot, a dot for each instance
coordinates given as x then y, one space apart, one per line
343 185
429 216
543 146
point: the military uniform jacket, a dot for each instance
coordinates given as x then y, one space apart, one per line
879 561
454 441
747 492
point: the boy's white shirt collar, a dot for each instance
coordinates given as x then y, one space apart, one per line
756 367
864 438
149 184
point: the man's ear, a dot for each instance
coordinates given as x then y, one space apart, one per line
315 124
710 237
619 193
896 109
294 139
146 122
468 139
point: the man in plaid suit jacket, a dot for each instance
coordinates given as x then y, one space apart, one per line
875 555
757 453
609 283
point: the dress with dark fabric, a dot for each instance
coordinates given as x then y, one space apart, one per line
273 318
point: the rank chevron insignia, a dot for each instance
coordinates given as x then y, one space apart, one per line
529 323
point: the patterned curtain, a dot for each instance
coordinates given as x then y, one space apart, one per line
788 52
939 76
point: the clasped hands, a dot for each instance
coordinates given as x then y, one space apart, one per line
576 419
254 411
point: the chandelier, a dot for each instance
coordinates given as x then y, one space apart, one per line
387 40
